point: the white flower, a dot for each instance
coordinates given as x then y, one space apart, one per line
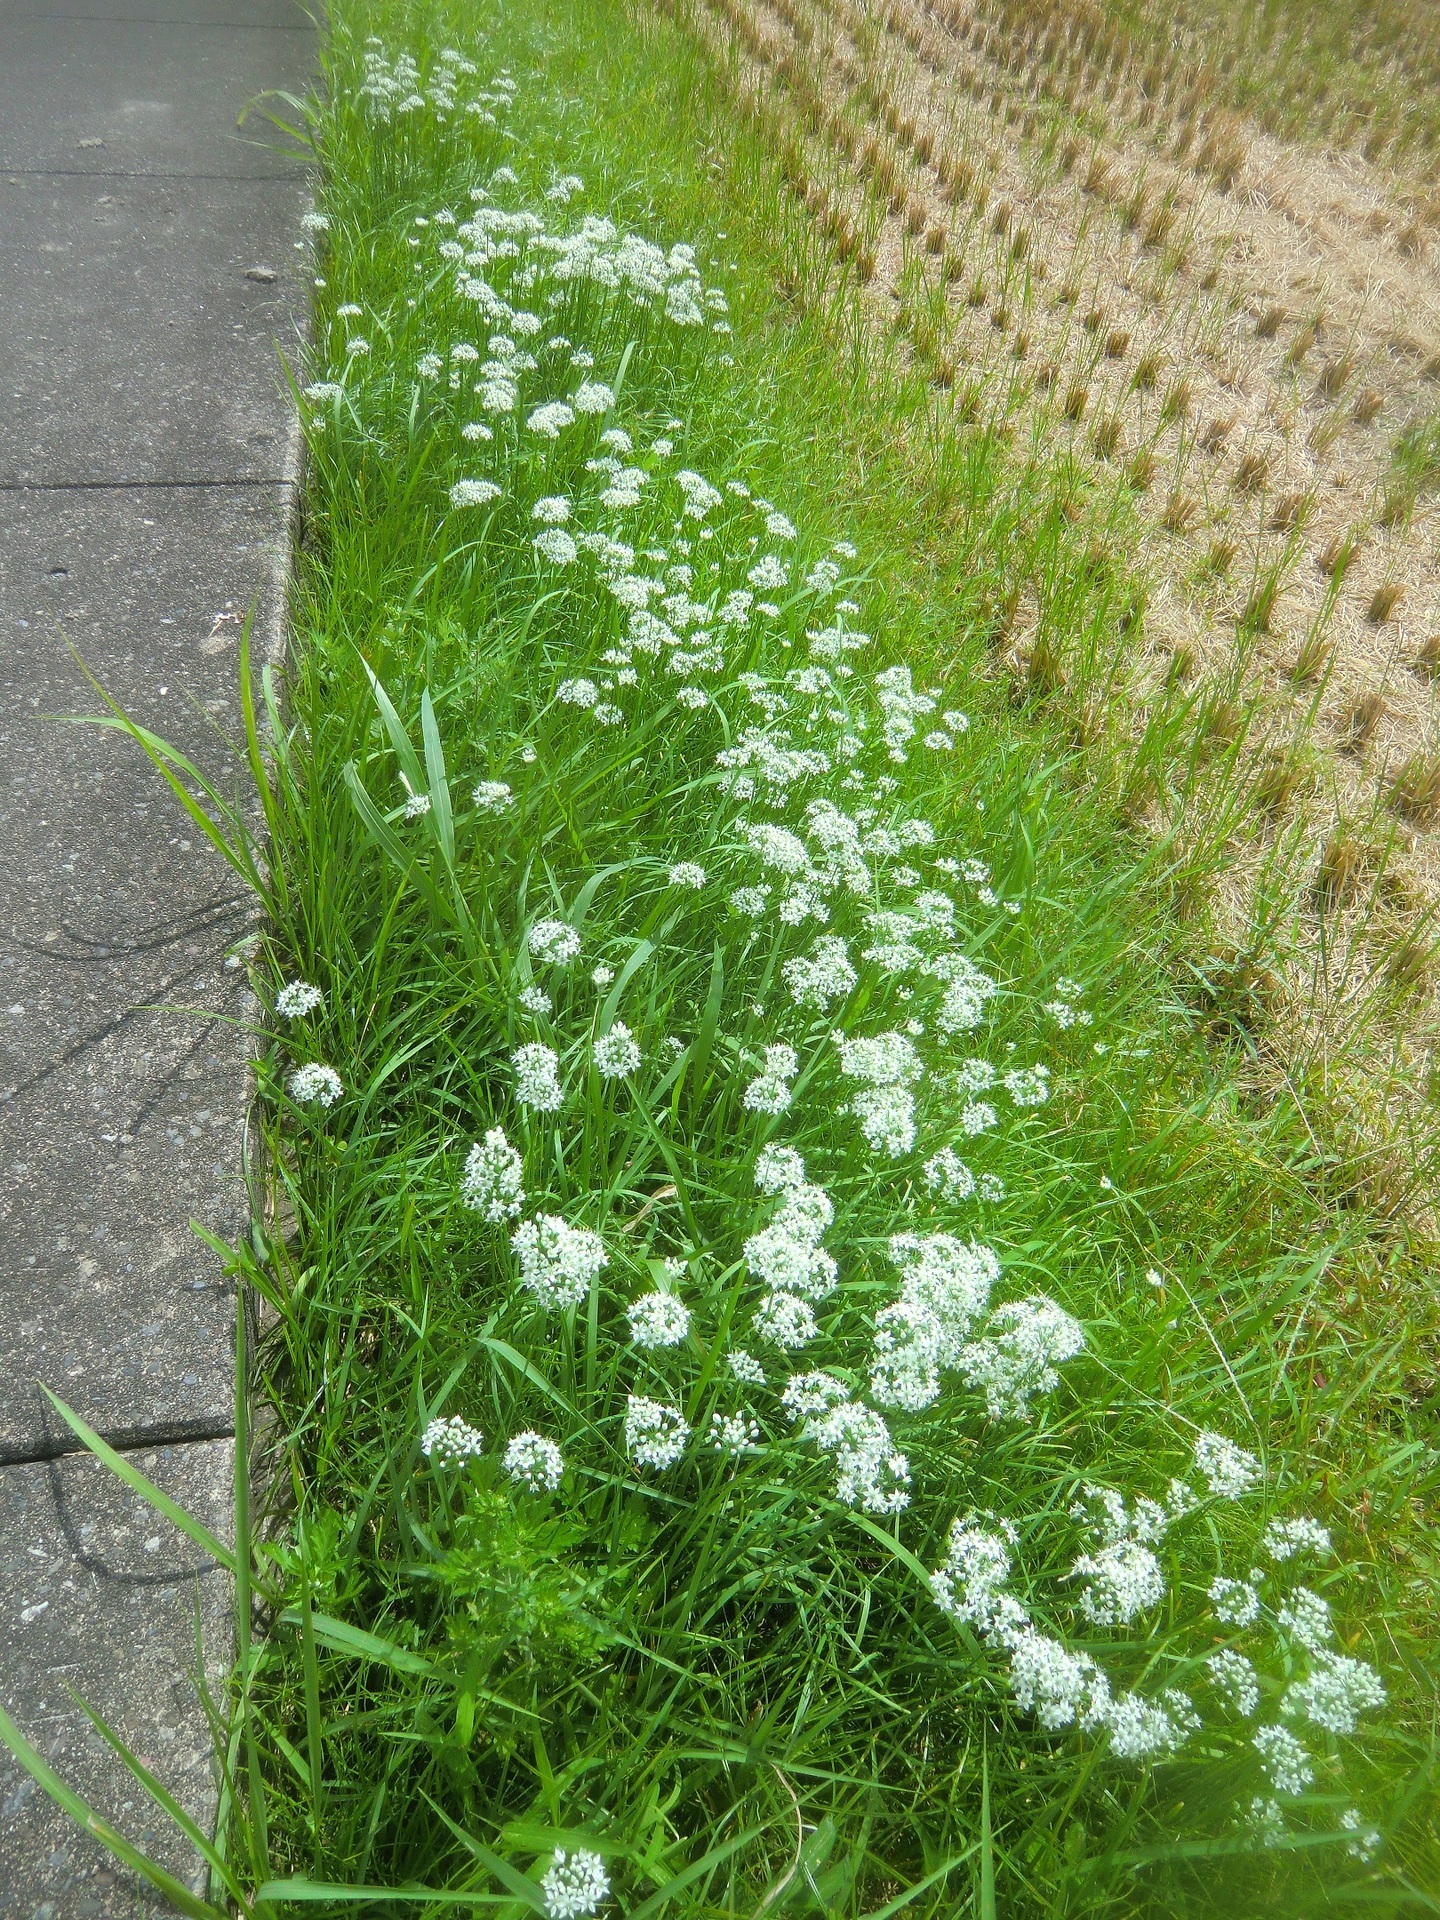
1057 1686
1267 1820
1236 1602
297 998
554 509
1335 1692
823 978
1028 1086
553 942
655 1434
616 1052
770 1091
602 976
1125 1579
1233 1676
1142 1729
685 873
492 1183
733 1433
316 1083
785 1321
473 493
971 1584
492 796
574 1885
1285 1538
810 1393
1366 1842
534 1462
474 430
658 1320
556 546
1229 1471
592 397
417 805
887 1119
429 366
746 1367
977 1117
577 693
870 1472
947 1174
323 392
536 1084
1286 1761
550 420
750 901
1306 1617
946 1286
881 1059
451 1441
1025 1341
700 496
769 575
535 1000
558 1262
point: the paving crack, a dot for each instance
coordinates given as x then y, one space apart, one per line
174 1433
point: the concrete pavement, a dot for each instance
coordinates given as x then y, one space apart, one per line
149 278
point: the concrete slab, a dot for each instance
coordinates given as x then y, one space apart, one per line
99 1596
148 271
137 344
106 89
121 1071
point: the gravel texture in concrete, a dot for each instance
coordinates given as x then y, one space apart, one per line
151 286
101 1598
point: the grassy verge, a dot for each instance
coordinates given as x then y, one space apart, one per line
743 1147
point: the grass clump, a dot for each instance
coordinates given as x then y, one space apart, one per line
799 1377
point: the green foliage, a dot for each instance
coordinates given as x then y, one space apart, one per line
730 1685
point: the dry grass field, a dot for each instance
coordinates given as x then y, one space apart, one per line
1227 340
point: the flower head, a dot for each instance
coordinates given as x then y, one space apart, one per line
297 998
492 1183
558 1262
534 1462
315 1084
574 1885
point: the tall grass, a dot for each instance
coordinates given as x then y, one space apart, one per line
728 1677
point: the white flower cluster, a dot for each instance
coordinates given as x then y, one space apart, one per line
655 1434
616 1053
492 1184
451 1441
315 1084
1060 1687
889 1066
533 1462
658 1320
786 1256
770 1090
574 1885
298 998
558 1262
